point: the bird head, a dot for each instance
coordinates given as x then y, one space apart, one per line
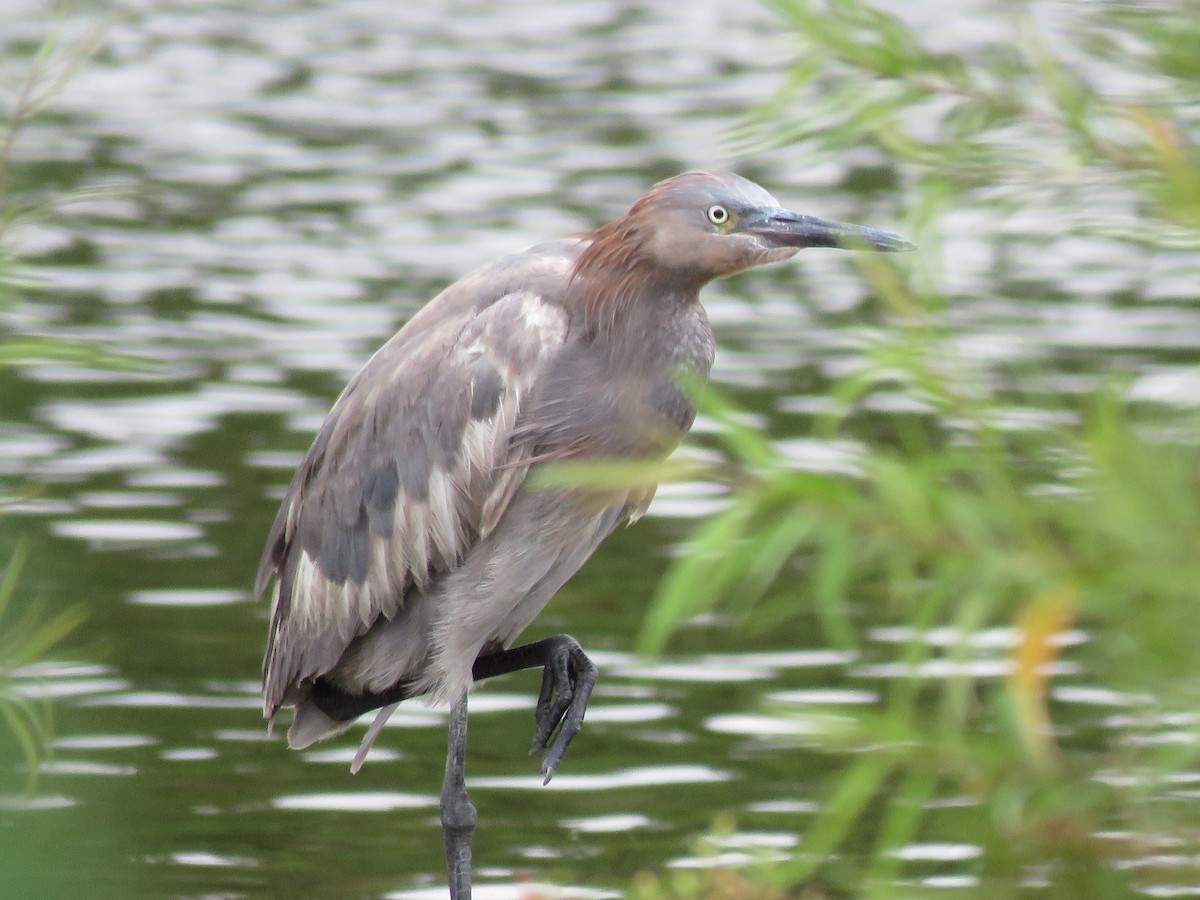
695 227
712 224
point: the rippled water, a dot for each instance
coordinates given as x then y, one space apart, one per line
274 187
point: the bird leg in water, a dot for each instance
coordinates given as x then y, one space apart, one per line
568 677
458 815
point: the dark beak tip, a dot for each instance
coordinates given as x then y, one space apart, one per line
877 242
790 229
873 239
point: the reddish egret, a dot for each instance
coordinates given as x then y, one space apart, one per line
411 548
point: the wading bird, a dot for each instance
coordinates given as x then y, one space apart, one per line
412 547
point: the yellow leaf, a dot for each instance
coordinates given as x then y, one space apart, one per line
1044 617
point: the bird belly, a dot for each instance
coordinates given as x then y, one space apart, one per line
543 539
485 603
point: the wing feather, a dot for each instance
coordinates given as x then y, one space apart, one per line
412 466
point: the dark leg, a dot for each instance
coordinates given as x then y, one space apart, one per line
568 677
458 815
337 704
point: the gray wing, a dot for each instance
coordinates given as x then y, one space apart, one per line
412 466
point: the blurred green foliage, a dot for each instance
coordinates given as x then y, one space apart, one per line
1060 105
49 69
958 519
28 630
26 637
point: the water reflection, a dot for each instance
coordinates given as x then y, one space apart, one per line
189 597
122 533
172 700
357 801
189 754
80 767
617 822
36 803
939 852
758 726
763 848
647 776
205 858
104 742
345 755
62 680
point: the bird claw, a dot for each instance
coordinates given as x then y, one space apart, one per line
567 681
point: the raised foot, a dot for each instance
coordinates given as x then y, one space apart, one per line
568 677
567 681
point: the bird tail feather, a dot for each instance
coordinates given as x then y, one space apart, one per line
312 725
369 738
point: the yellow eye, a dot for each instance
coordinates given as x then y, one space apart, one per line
718 214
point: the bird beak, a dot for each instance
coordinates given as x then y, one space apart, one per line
784 228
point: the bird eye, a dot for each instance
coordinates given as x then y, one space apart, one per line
718 214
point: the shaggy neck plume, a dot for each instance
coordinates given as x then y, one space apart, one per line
616 271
